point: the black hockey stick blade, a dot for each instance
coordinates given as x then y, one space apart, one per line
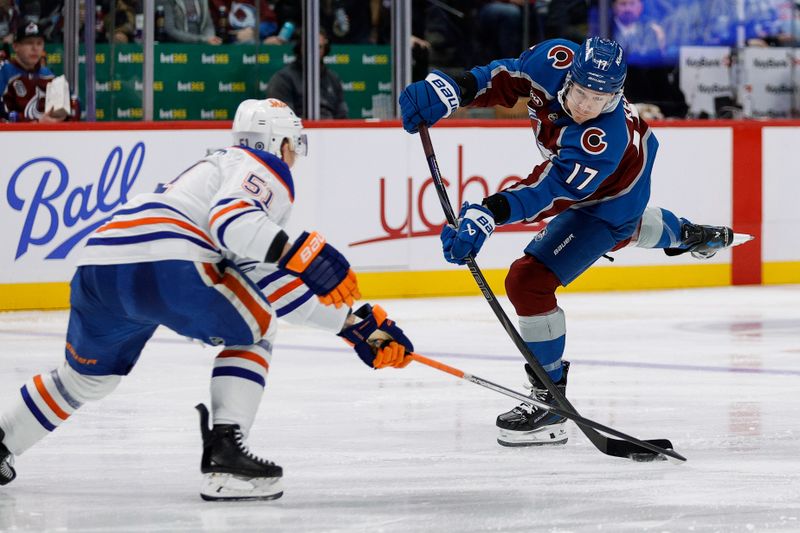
651 446
641 451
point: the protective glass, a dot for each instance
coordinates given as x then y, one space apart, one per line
586 101
300 145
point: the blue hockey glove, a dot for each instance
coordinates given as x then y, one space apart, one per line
448 237
429 100
377 340
475 223
322 268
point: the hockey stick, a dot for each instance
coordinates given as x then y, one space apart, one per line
575 417
640 450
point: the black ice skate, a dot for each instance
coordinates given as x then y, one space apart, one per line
7 472
231 471
705 241
527 425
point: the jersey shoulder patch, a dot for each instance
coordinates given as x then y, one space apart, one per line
557 53
547 64
560 56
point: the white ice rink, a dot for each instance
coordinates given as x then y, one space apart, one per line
717 371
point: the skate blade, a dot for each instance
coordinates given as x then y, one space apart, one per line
227 487
541 437
647 457
741 238
521 444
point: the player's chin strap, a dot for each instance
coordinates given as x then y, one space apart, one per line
562 98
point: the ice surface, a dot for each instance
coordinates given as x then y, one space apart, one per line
717 371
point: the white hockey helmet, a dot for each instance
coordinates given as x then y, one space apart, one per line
264 124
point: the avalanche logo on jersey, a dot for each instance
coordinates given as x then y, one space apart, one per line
561 56
592 141
19 88
536 100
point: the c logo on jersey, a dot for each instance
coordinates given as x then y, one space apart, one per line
536 100
561 56
592 141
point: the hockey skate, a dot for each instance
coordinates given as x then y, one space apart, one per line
231 471
528 425
7 472
703 242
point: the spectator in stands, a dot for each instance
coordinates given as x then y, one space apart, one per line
790 25
643 41
287 85
24 79
45 13
9 14
348 21
567 19
420 48
245 21
120 22
652 80
8 20
449 28
188 21
499 25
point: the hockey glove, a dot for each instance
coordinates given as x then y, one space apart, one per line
377 340
475 223
429 100
322 268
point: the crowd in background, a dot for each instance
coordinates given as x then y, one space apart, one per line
450 35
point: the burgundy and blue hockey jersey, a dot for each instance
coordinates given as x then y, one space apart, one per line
601 166
23 91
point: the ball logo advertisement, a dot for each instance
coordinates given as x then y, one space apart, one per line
40 190
61 186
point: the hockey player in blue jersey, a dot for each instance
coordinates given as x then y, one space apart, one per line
182 258
595 182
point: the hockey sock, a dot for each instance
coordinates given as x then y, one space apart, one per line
237 384
46 401
546 336
660 228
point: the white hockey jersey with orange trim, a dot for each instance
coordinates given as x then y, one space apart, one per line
232 204
234 201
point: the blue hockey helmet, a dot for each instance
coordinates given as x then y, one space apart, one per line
599 65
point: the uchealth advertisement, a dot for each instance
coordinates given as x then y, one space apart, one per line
368 190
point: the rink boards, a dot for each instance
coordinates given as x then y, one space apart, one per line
367 188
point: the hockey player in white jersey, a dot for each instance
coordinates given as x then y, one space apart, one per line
169 258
